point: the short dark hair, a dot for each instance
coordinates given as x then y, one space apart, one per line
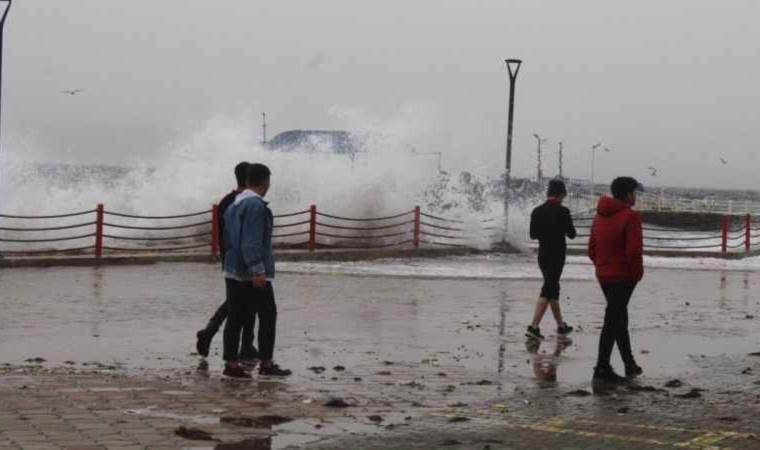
258 174
622 186
556 188
241 173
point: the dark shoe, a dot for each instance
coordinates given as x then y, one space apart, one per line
273 370
607 375
236 372
633 370
203 344
564 329
534 333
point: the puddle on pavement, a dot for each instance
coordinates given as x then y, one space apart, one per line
104 389
152 411
274 432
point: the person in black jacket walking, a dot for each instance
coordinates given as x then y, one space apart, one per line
550 224
206 335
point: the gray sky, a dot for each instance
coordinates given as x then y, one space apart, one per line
672 84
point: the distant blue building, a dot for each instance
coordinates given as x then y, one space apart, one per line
316 141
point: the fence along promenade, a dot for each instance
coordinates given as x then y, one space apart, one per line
98 232
729 239
102 232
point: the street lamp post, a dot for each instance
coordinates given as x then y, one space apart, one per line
561 173
513 67
6 7
539 171
593 167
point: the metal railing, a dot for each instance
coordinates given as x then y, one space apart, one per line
102 232
728 237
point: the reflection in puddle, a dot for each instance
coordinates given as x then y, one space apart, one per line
273 431
545 365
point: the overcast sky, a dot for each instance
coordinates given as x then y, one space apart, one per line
671 84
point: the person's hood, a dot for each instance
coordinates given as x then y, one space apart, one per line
609 206
244 195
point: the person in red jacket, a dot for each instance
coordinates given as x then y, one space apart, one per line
616 249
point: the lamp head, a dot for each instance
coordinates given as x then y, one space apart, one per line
513 66
5 6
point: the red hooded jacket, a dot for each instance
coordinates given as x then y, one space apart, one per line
616 242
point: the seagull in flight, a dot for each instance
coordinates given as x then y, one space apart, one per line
71 91
723 161
652 171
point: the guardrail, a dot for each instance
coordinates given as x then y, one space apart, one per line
728 238
101 232
652 202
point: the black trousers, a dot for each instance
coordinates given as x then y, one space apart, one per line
243 303
551 265
217 320
615 328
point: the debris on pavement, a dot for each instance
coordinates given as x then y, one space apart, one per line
578 393
266 421
337 402
457 419
694 393
675 383
193 434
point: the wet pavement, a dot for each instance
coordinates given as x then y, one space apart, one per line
426 354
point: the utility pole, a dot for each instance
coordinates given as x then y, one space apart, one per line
5 10
561 174
513 67
539 171
264 128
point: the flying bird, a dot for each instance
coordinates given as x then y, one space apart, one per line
723 161
652 171
71 91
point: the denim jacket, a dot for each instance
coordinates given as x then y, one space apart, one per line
248 238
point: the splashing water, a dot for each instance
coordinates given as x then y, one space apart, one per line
191 174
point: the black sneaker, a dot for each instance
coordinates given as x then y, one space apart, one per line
203 344
534 333
633 370
607 375
273 370
564 329
236 372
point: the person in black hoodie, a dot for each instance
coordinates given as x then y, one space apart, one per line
206 335
551 223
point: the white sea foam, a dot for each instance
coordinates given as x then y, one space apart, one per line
192 173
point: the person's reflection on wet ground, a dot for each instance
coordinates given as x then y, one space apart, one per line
545 364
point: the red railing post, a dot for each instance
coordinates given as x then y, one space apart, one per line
99 231
723 234
313 228
215 230
747 232
416 238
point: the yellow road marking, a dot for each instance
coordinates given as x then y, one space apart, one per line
704 440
